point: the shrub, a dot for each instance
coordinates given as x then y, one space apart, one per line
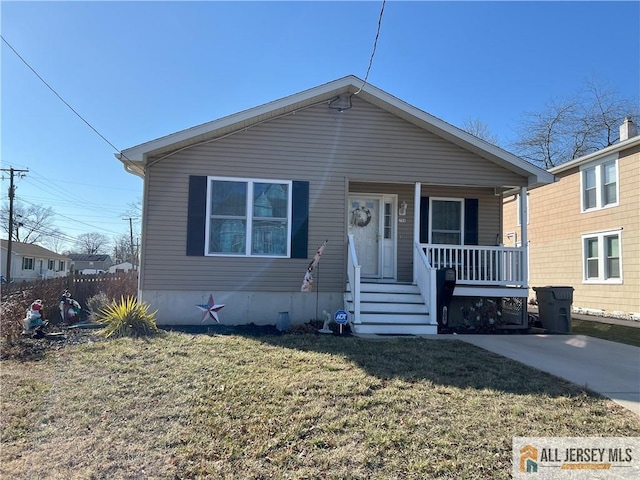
97 303
12 311
126 318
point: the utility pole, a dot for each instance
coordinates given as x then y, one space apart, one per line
133 263
12 190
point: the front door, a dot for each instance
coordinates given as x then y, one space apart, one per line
372 224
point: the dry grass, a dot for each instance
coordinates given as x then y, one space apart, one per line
290 406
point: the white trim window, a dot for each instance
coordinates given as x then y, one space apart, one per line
27 263
446 221
602 257
248 217
599 185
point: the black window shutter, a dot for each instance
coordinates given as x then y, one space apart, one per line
300 219
196 215
424 219
471 221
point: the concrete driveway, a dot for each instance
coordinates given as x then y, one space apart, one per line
609 368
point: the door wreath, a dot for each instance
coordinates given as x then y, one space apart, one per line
360 217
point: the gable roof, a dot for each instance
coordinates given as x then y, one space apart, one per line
591 157
135 158
86 257
31 250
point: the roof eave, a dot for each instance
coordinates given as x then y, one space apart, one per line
535 175
611 149
134 159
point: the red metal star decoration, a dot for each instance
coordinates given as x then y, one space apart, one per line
210 309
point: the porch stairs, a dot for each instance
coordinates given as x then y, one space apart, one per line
390 309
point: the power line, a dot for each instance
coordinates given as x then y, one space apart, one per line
62 99
77 221
72 199
375 44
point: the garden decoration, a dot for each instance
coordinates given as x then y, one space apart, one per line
327 321
307 283
210 309
33 321
69 308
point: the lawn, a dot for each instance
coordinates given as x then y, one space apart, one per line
289 406
615 333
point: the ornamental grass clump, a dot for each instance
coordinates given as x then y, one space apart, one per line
127 318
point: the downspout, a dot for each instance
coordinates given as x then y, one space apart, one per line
524 215
416 227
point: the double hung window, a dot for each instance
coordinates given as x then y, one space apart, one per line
447 221
600 185
248 217
602 257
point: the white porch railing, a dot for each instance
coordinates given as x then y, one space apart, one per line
477 265
425 279
353 275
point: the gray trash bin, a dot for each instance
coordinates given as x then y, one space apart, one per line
554 308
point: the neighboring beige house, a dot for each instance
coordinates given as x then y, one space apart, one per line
584 230
33 262
235 209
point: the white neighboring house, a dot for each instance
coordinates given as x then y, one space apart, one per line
121 267
33 262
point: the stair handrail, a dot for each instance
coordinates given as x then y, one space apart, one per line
353 276
425 279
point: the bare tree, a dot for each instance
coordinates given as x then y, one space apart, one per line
569 128
92 243
55 243
134 209
123 251
480 129
32 223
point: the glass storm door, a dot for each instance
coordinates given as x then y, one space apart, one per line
364 225
371 222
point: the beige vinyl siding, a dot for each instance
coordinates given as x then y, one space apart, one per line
555 234
488 209
319 145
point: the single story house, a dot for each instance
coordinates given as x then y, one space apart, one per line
90 262
121 267
234 211
584 229
33 262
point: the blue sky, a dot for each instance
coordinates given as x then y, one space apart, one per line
140 70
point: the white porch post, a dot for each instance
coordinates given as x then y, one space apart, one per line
524 216
416 227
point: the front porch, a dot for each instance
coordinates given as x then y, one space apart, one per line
488 274
488 278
